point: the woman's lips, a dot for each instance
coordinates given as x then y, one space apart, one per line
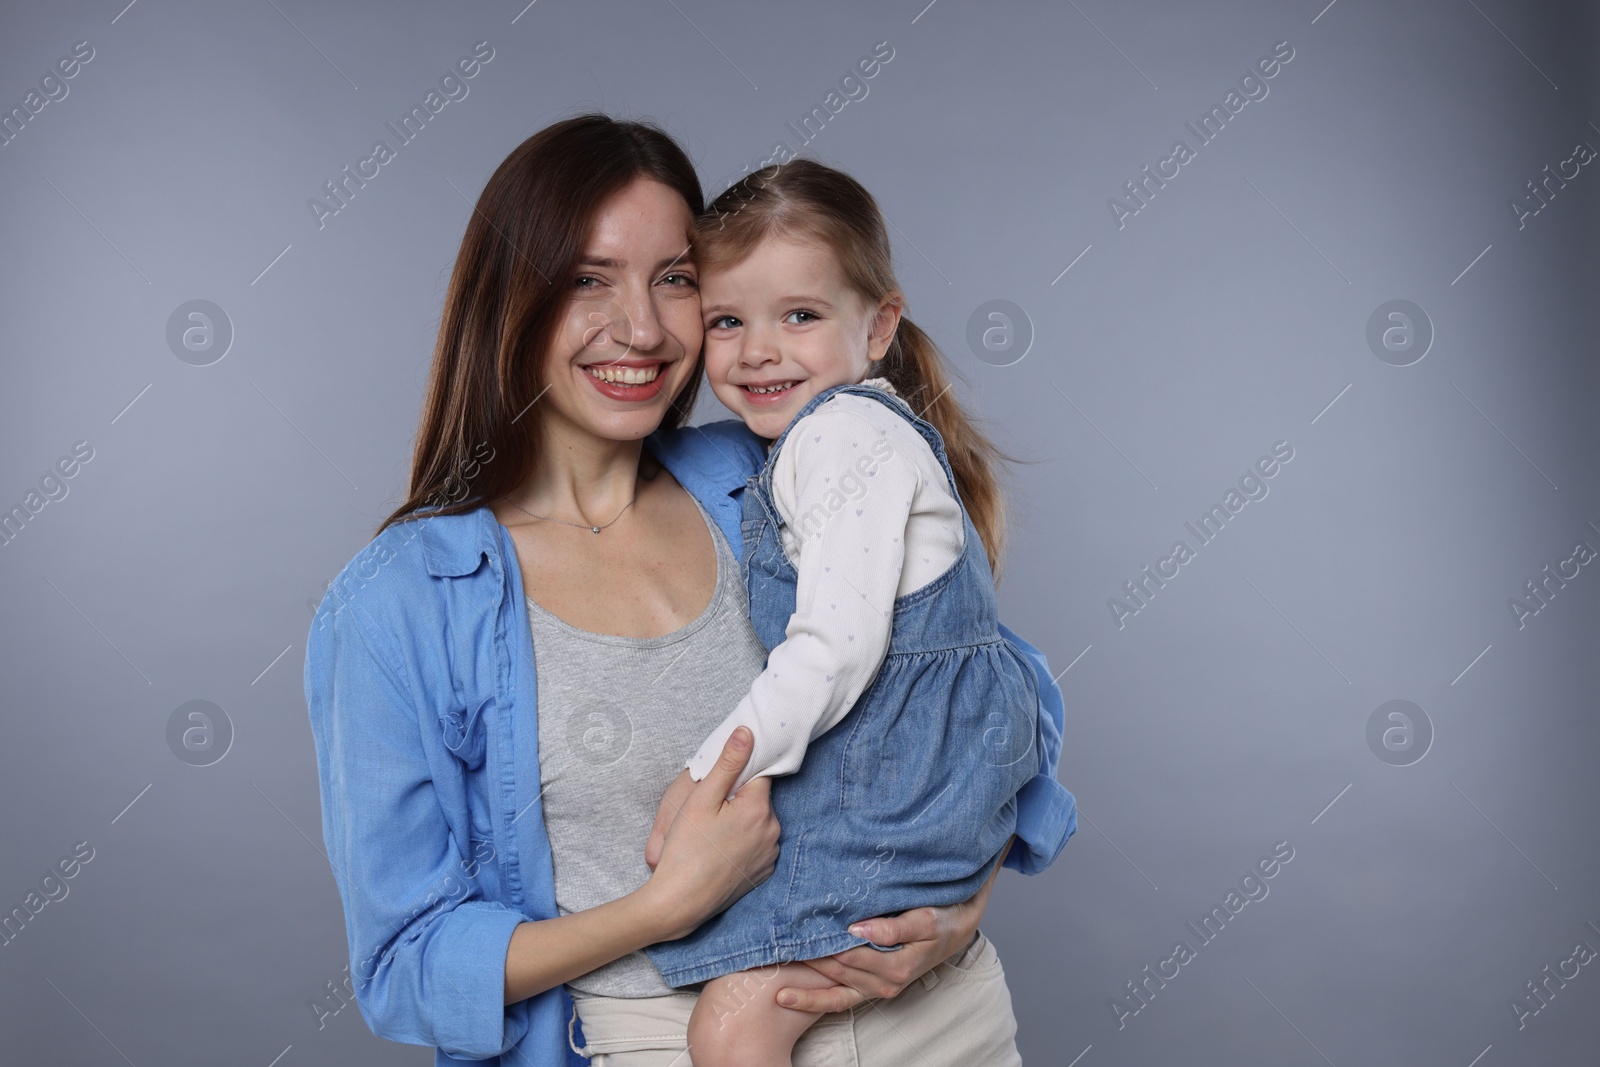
623 370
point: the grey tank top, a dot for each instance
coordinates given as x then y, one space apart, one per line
618 719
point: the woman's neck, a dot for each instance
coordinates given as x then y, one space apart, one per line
581 477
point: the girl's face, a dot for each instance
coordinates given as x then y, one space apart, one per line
782 325
631 330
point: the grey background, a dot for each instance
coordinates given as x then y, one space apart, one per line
1227 715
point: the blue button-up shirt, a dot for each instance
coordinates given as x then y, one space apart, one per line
420 682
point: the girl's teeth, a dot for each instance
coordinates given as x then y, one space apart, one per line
770 388
625 375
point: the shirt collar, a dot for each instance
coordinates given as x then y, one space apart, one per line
711 461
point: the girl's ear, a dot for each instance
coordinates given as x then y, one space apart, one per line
885 321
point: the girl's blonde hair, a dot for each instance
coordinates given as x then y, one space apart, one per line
808 200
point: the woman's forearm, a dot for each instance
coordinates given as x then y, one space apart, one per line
548 952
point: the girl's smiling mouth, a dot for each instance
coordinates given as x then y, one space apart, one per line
767 393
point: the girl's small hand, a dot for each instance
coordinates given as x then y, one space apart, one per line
671 801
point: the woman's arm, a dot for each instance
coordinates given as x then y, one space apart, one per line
716 850
424 943
927 936
428 952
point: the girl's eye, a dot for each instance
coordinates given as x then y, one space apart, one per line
724 322
807 317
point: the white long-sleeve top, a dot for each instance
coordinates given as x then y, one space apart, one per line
868 517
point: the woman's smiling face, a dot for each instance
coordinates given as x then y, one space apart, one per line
630 335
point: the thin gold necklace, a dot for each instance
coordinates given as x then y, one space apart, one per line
577 525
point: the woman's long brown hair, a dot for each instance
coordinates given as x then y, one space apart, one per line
808 200
512 277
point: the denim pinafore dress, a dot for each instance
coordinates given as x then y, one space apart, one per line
908 800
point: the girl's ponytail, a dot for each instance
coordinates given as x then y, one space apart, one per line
919 373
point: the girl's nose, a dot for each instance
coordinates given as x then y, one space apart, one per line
758 349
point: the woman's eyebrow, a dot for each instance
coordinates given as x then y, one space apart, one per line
605 261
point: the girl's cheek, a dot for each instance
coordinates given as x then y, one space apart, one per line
718 360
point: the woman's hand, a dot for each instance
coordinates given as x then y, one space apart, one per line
715 849
927 936
671 801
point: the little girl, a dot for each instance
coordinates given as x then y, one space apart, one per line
901 723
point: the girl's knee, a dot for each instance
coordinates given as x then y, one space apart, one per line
732 1003
737 1020
724 1023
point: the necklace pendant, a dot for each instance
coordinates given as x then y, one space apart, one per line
594 529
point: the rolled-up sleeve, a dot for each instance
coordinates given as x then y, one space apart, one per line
1047 814
427 952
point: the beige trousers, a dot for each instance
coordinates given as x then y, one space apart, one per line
956 1015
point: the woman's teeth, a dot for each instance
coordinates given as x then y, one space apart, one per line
770 388
625 375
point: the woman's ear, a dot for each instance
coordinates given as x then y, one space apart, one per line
885 321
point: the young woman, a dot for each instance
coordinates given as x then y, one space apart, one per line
505 681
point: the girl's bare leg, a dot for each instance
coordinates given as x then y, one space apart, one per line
738 1023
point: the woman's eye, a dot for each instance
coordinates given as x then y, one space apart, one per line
585 281
804 317
724 322
680 279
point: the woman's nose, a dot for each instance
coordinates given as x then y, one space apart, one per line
636 323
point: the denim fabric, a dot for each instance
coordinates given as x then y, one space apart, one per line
422 693
906 802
